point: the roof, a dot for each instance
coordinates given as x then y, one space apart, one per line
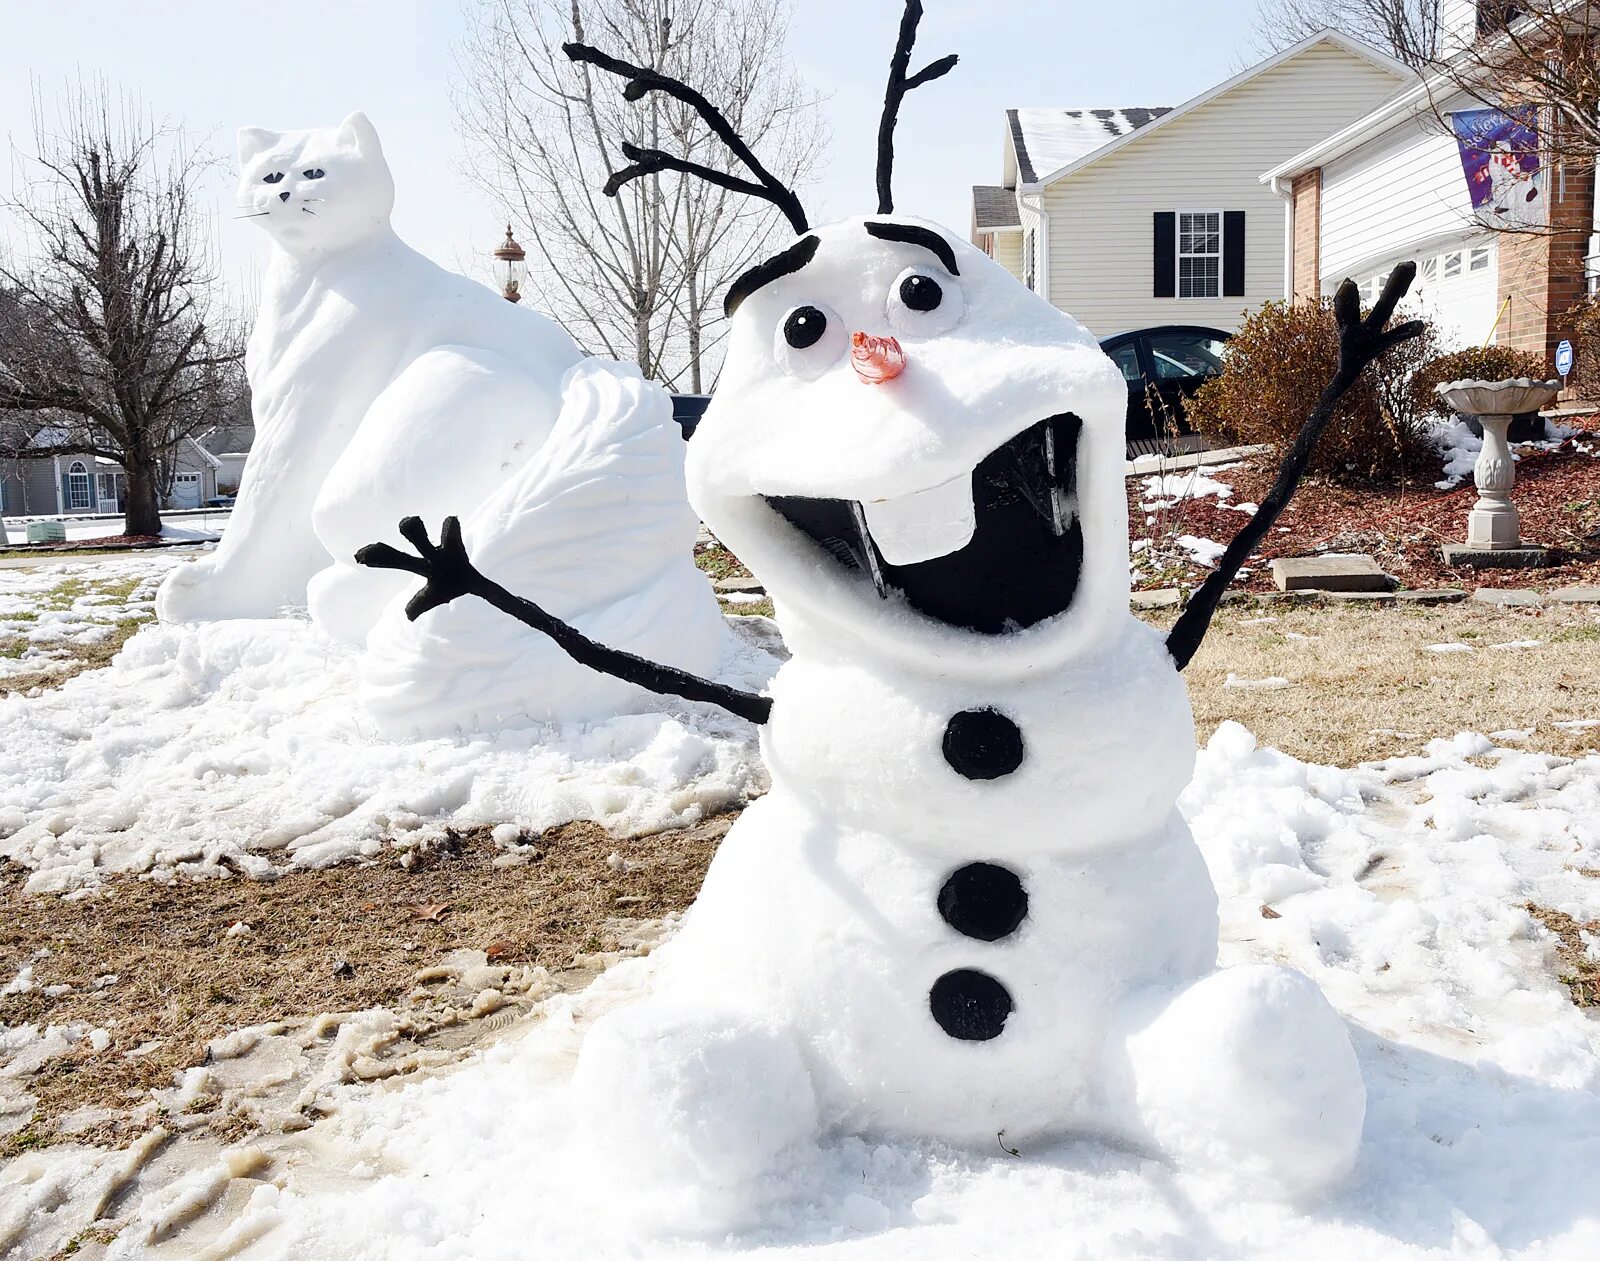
1165 117
1048 139
994 208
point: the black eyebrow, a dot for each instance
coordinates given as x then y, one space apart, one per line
911 234
779 265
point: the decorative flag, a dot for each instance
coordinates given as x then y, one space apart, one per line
1500 158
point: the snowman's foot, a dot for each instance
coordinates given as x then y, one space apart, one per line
704 1116
1250 1072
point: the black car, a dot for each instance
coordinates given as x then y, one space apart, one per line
1163 367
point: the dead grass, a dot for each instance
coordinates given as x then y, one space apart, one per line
337 940
1363 685
1580 974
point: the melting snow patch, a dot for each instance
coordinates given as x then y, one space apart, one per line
1271 683
1449 648
1203 551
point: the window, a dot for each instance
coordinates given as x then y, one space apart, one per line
1452 264
1478 260
78 497
1199 254
1185 356
1126 357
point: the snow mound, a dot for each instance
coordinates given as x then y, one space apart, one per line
239 747
1398 888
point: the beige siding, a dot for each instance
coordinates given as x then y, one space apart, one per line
1101 251
1008 252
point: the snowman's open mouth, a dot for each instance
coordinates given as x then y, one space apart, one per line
996 550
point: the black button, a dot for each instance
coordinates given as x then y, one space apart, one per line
970 1005
982 744
984 901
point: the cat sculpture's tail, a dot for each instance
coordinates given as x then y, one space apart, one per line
597 524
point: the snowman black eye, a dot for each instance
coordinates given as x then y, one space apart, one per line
274 178
921 293
314 174
804 327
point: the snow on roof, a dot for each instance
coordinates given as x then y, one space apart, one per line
1048 139
994 207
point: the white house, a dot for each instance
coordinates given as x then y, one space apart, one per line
1390 186
1136 217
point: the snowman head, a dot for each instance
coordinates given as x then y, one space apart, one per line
914 452
917 454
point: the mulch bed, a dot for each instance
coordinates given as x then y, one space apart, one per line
1557 493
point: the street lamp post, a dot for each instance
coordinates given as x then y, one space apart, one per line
512 256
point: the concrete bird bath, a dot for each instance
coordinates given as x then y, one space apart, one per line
1493 526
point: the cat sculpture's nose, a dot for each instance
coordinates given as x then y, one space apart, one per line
283 196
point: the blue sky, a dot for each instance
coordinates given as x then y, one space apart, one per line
219 64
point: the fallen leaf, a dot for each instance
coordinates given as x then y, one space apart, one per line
1268 913
432 911
500 950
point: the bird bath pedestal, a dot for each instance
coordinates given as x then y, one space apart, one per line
1494 535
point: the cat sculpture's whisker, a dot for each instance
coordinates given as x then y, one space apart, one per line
313 199
306 210
256 215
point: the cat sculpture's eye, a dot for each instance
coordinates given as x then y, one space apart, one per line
273 178
315 173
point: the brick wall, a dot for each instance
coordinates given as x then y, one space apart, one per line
1541 274
1306 192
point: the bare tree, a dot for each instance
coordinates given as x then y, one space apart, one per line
1406 29
115 337
638 275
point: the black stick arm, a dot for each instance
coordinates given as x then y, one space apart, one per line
1360 342
449 575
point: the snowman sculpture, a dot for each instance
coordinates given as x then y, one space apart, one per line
969 906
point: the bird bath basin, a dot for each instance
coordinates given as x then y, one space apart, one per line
1493 524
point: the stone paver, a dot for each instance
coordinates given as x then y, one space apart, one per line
1350 572
1577 595
1460 556
1165 598
1507 596
752 586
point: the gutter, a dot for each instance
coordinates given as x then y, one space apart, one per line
1286 191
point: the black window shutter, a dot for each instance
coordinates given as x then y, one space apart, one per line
1233 253
1166 254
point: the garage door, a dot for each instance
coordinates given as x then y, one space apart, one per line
186 491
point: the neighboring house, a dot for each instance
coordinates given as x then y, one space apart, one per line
1390 187
48 485
231 445
1135 217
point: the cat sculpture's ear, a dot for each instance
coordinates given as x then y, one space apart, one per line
359 129
254 140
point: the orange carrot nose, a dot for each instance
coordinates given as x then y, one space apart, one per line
876 359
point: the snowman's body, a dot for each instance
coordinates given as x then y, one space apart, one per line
968 905
822 911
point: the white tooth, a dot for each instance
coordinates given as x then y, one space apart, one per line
923 525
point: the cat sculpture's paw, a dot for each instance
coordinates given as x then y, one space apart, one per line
447 572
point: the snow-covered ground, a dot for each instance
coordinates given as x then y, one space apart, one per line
240 747
1399 887
47 613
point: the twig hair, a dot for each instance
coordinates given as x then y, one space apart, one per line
899 84
766 186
